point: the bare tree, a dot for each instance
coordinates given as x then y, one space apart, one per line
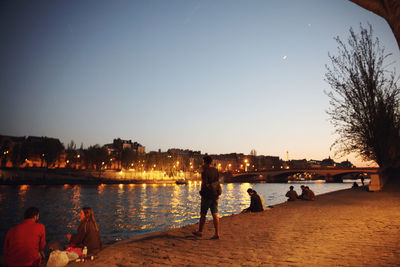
364 102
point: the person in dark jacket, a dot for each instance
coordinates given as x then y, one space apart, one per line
88 232
255 202
210 191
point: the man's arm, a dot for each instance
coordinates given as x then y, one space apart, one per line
7 244
42 242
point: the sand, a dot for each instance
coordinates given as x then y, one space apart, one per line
345 228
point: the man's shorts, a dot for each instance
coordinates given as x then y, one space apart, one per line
207 203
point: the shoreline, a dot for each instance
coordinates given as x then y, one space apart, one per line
350 227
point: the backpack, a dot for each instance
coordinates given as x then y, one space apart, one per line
215 189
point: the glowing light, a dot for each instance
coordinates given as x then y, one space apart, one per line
284 57
24 187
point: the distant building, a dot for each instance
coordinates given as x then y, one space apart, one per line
119 145
328 163
8 147
345 165
312 163
33 151
139 148
298 164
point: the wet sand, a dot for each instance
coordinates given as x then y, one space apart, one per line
346 228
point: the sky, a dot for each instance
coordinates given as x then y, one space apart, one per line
216 76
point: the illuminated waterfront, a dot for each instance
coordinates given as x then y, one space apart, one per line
123 211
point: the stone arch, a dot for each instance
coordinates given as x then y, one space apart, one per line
387 9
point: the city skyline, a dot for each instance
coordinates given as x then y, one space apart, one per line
219 77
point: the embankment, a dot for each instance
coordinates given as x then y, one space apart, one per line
346 228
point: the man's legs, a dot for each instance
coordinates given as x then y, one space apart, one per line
203 213
216 225
202 222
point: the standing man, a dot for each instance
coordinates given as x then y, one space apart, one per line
25 242
210 191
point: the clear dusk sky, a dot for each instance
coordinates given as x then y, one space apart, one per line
216 76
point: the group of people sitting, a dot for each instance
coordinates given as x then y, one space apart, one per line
306 194
257 201
24 243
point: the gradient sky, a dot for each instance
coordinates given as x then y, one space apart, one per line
216 76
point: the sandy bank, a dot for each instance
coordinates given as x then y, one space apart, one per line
345 228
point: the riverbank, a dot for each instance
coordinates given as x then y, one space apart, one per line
347 228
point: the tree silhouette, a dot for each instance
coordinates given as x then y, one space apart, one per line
364 103
51 150
95 156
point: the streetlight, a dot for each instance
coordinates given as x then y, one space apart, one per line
246 164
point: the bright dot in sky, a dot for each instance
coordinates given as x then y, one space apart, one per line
284 57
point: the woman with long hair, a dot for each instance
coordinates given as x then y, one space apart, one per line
88 232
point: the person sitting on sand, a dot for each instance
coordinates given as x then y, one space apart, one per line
306 193
255 202
355 185
291 194
303 192
88 232
309 194
25 242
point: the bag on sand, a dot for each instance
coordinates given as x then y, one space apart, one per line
57 258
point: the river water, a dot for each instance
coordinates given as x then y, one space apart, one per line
123 211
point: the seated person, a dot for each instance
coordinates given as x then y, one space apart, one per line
262 201
309 194
291 194
25 242
355 185
88 233
303 192
255 202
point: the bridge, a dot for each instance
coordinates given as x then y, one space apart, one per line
282 175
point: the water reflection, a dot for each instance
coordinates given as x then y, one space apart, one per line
22 194
123 211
